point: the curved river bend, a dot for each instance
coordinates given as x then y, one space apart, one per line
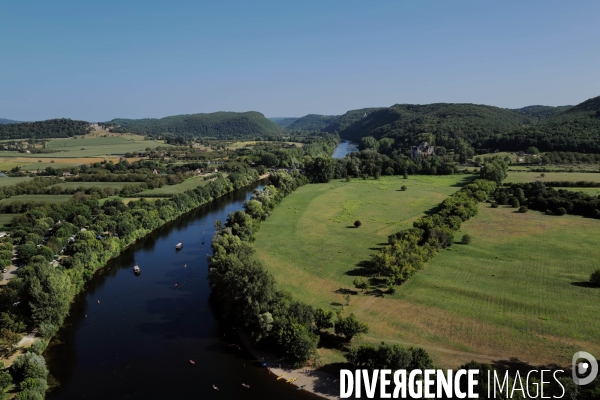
136 343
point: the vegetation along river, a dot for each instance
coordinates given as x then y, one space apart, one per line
131 337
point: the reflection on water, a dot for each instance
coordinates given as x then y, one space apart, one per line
138 341
343 148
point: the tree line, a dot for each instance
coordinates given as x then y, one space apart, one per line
52 128
246 294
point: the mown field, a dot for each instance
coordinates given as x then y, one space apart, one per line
5 220
8 181
74 185
55 198
524 177
512 293
171 190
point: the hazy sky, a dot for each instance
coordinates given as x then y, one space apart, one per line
98 60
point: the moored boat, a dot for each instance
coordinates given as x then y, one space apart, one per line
136 269
179 246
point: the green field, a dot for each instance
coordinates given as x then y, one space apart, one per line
508 294
74 185
55 198
5 220
7 181
98 146
524 177
171 190
595 191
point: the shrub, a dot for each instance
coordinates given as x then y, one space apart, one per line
595 277
466 239
405 175
494 204
523 209
403 188
514 202
357 223
560 211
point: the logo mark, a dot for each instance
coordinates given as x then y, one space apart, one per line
590 365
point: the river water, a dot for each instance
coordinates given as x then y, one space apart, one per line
343 148
131 337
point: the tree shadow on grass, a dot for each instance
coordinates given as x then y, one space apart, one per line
513 365
466 180
586 284
346 291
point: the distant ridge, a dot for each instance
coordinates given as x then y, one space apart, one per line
8 121
214 125
284 122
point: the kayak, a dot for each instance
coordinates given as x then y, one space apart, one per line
301 387
280 376
291 380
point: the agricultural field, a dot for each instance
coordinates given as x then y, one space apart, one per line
74 185
171 190
8 181
126 200
5 220
525 177
41 163
54 198
515 292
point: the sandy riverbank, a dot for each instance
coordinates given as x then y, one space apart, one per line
317 382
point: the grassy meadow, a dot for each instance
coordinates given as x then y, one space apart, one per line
75 185
172 190
9 181
525 177
54 198
512 293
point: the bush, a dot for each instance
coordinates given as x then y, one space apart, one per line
595 277
403 188
560 211
357 223
466 239
514 202
523 209
494 204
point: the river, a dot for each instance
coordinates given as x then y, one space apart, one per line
131 337
343 148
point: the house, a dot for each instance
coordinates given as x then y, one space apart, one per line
67 174
424 149
521 154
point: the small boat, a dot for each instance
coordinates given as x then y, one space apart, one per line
179 246
246 386
136 269
291 380
192 362
280 376
301 387
215 387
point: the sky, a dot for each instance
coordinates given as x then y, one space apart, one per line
99 60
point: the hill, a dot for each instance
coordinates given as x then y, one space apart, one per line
52 128
566 128
215 125
8 121
313 122
284 122
331 123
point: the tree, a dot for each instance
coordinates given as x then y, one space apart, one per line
466 239
404 188
560 211
10 340
350 326
533 150
514 202
323 319
523 209
357 223
5 380
595 277
26 251
361 284
496 170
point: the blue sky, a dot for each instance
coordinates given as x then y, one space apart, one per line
98 60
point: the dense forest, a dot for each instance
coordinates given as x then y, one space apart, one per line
486 128
52 128
8 121
219 125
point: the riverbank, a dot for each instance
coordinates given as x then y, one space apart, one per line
317 382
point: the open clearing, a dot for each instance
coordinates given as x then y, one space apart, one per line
54 198
524 177
172 190
74 185
512 293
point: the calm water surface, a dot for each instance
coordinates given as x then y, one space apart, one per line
343 148
137 342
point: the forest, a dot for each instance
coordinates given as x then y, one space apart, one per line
52 128
219 125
